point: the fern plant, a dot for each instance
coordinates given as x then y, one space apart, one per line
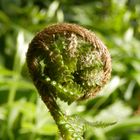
69 62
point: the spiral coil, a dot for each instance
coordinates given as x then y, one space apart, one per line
69 62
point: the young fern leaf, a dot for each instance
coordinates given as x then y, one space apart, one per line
100 124
97 124
69 62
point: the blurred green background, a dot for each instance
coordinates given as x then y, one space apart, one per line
116 22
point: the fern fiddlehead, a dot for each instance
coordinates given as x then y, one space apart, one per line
69 62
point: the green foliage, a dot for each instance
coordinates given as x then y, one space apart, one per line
23 115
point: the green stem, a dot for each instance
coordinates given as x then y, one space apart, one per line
13 89
69 128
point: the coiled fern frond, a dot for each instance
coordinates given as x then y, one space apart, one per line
69 62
